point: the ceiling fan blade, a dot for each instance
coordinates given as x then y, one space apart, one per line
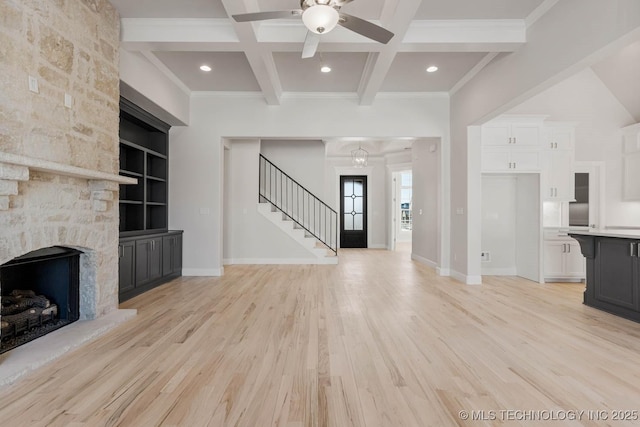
262 16
365 28
310 45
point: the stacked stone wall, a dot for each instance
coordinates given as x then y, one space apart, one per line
70 47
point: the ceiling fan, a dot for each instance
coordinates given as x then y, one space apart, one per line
320 17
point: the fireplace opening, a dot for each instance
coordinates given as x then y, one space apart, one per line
39 293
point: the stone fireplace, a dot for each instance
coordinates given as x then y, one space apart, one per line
59 148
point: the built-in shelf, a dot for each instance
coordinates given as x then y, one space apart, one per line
129 173
143 153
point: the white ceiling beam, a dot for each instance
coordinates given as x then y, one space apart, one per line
177 30
261 61
396 17
288 36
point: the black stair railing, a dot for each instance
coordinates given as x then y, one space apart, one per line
298 204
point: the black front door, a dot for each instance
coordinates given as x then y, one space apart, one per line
353 211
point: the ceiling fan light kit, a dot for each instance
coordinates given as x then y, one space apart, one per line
320 17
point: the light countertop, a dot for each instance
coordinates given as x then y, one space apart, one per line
621 234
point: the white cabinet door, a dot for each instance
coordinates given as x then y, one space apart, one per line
631 184
553 259
561 138
525 160
495 161
574 265
525 134
560 178
496 135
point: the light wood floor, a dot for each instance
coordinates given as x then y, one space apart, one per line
376 341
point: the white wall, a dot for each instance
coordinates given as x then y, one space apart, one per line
197 158
585 100
251 238
304 161
146 86
573 35
427 196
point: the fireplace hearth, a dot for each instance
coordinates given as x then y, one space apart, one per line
39 293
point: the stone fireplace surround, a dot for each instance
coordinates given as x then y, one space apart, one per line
43 204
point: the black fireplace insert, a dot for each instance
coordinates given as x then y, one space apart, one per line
40 293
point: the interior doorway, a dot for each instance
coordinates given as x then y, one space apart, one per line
402 206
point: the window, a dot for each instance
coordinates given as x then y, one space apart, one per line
406 194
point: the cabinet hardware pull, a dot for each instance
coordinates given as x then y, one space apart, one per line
556 144
568 248
551 192
631 249
637 249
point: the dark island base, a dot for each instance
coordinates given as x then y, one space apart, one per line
613 274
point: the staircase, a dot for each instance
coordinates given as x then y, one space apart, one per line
298 212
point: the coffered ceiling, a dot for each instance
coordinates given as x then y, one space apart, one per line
457 36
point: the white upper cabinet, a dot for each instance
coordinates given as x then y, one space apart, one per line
513 134
560 137
631 163
558 162
512 144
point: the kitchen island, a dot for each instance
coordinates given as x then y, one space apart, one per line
613 270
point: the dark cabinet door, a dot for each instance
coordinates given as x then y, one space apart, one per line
616 272
148 260
143 247
155 259
171 254
177 255
126 266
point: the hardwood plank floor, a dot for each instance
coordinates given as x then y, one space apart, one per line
377 340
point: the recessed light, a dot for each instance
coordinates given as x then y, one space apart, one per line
432 69
205 68
325 69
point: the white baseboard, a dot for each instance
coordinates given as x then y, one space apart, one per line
423 260
443 272
203 272
499 271
281 261
468 280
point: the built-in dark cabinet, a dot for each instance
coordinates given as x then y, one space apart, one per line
149 261
149 254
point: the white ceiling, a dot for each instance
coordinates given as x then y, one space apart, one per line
455 35
621 74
